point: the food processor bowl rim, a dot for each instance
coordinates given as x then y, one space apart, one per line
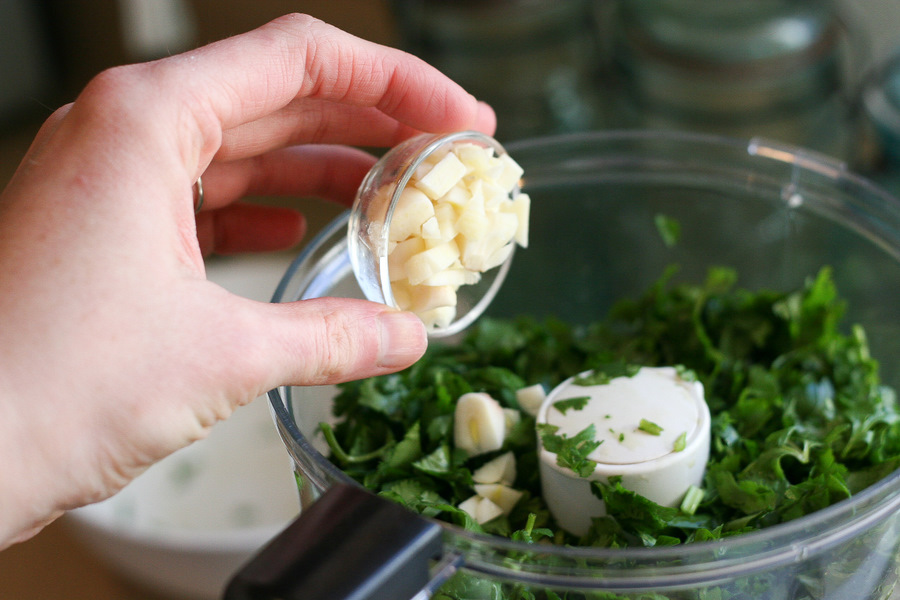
789 538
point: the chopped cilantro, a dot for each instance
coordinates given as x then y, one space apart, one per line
571 452
577 403
650 427
800 417
606 373
692 499
669 229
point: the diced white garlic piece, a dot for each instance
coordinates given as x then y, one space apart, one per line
458 196
439 317
494 195
521 207
511 173
480 509
479 424
513 417
446 217
503 496
531 398
498 470
428 297
442 176
473 221
477 158
413 208
431 229
455 276
431 261
402 252
401 293
498 257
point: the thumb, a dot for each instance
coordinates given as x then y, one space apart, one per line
330 340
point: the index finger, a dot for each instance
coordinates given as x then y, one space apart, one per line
246 77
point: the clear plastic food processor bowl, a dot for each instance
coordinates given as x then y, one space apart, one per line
776 214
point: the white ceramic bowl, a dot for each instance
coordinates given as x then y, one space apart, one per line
189 522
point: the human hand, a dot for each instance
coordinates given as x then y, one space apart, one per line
114 348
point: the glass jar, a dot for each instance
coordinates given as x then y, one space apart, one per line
781 69
534 61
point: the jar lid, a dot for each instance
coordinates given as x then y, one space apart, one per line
730 33
729 58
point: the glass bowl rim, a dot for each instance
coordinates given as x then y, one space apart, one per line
422 146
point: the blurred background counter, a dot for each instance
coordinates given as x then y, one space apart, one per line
817 73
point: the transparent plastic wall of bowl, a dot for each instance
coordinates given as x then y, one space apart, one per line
776 215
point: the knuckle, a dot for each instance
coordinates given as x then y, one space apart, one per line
336 348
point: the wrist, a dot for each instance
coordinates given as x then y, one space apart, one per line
26 502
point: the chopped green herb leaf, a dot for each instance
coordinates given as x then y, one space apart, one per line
692 499
680 443
650 427
606 373
669 229
577 403
571 452
800 416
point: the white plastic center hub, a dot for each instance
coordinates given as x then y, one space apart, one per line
654 432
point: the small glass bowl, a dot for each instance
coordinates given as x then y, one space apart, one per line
370 220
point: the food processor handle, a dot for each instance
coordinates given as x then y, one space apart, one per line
348 545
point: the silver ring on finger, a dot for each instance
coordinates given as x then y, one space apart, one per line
198 195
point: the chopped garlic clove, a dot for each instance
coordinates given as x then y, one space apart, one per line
455 276
498 470
431 261
503 496
428 297
521 207
446 217
403 252
498 257
442 176
475 157
439 317
461 206
511 172
470 506
531 398
479 424
431 230
473 221
413 208
480 509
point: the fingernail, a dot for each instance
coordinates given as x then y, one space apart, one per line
403 339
